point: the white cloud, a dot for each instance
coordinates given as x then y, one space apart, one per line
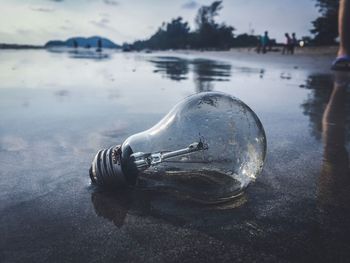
102 22
111 2
43 9
190 5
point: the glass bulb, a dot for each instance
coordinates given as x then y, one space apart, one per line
208 148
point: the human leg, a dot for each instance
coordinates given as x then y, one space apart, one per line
342 62
344 28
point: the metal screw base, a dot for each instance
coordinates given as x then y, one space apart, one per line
106 169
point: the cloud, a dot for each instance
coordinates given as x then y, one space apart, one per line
43 9
103 22
111 2
66 28
24 31
104 14
57 1
190 5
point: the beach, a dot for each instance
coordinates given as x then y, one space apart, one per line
312 58
59 107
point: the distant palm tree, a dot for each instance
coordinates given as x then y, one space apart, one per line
326 25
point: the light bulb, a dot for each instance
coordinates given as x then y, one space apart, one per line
208 148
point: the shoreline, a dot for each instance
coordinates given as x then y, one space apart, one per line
314 59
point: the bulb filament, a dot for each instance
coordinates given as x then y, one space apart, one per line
145 160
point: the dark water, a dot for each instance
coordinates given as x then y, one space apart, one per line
58 108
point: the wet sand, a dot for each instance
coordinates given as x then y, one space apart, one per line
58 108
316 59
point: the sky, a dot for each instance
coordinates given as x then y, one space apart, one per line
38 21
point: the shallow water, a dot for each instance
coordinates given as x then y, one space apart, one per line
58 108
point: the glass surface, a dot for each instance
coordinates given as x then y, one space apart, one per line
235 153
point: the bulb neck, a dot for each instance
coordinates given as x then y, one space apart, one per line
106 168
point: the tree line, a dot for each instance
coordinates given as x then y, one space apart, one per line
209 34
325 27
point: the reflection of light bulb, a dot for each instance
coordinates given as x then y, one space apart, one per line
209 147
